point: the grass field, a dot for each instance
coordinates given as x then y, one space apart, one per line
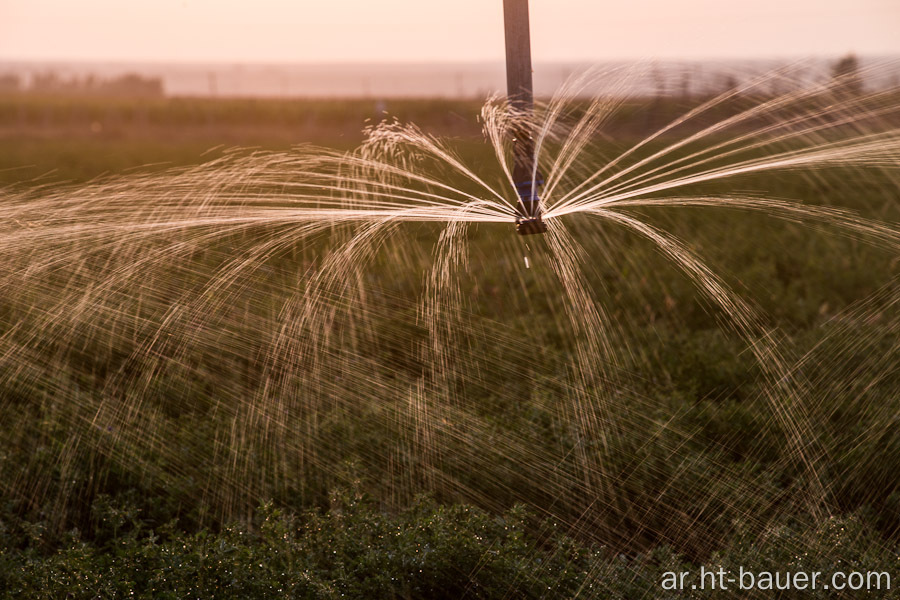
499 490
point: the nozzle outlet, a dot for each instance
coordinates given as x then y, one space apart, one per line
529 221
530 226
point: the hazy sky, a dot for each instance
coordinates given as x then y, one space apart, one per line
428 30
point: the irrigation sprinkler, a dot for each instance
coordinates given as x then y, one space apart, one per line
521 99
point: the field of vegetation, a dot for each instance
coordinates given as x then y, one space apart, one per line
495 490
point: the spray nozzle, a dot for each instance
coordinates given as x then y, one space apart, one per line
529 221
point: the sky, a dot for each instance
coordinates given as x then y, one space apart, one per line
312 31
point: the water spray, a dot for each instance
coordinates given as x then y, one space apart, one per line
519 89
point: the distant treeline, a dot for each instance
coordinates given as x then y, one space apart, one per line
690 80
127 85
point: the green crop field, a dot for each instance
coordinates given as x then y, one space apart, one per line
483 479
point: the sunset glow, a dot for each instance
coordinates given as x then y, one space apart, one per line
463 30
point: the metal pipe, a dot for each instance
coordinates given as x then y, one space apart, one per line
521 99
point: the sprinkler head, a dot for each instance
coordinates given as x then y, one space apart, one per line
530 226
529 221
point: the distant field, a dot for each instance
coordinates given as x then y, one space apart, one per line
78 138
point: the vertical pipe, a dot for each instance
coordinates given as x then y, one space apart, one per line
521 99
518 55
